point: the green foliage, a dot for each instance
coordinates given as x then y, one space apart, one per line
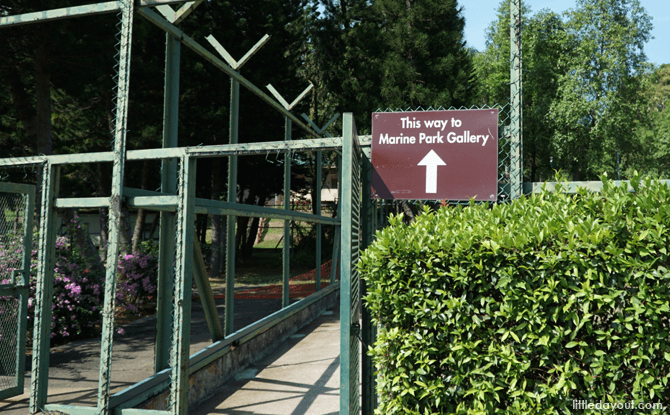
583 74
524 307
598 105
655 138
546 45
393 54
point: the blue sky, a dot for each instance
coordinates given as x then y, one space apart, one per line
480 13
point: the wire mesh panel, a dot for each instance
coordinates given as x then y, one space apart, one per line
12 223
350 278
9 326
15 240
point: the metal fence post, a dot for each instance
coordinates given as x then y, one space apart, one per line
183 283
167 219
516 95
287 223
229 323
115 200
44 290
317 211
368 329
349 276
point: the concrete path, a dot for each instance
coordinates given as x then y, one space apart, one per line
300 378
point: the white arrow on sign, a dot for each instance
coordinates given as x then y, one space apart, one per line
431 161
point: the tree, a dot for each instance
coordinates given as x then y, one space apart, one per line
545 43
655 136
393 54
423 60
598 105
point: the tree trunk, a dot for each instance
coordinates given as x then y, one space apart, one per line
253 232
138 231
82 241
154 225
241 236
125 237
103 215
201 228
43 101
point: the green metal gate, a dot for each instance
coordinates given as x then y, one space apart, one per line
16 224
350 279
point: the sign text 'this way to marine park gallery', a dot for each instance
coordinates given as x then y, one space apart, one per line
435 155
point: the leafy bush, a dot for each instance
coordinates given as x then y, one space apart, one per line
522 308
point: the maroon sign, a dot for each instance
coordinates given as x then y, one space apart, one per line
436 155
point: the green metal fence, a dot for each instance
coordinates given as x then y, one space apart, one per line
16 208
357 219
177 203
350 279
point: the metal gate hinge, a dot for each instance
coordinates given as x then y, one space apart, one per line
355 329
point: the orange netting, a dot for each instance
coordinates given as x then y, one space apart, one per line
300 286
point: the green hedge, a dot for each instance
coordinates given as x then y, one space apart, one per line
522 308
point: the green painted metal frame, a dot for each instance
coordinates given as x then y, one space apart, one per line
172 198
288 130
516 100
166 240
229 325
206 295
182 297
349 276
368 329
200 50
77 11
318 166
286 248
571 187
270 147
44 289
20 288
115 200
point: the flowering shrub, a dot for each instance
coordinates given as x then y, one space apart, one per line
78 292
138 273
77 297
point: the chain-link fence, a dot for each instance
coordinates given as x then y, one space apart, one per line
12 225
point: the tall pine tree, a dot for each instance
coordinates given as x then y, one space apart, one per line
394 54
423 57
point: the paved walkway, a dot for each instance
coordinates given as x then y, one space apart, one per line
301 377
